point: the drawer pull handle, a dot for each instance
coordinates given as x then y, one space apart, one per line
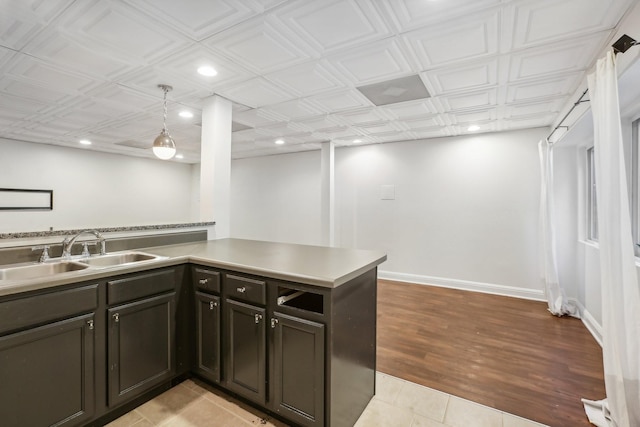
203 281
116 318
242 290
212 304
258 317
274 322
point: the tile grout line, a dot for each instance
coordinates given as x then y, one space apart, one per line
142 418
503 414
236 404
202 394
446 408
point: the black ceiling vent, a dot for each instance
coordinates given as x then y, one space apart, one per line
393 91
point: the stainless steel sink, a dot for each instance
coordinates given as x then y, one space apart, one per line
33 271
111 260
42 270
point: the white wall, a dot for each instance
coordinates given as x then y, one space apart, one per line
277 198
465 212
94 189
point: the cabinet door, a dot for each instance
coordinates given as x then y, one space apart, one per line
245 350
208 336
141 346
298 369
46 374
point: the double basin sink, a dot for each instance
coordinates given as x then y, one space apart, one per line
49 268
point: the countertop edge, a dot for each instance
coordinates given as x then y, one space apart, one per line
29 285
324 282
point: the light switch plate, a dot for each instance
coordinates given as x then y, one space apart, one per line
387 192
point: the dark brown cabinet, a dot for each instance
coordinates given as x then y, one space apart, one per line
47 365
297 374
51 371
208 336
85 353
273 357
246 350
141 346
141 334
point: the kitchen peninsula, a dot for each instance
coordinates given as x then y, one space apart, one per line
288 328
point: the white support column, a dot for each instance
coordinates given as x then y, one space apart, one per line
215 165
327 196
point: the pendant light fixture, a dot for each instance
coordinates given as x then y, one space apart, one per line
163 146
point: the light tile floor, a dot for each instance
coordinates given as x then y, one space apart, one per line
397 403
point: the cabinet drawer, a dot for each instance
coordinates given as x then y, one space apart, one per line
34 310
140 285
246 289
206 280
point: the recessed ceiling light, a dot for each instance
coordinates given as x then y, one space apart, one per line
473 128
357 141
185 114
85 142
179 156
207 70
279 141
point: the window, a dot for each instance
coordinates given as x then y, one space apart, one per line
592 206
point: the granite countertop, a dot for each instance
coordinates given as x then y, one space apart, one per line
312 265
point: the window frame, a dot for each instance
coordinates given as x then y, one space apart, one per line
592 203
635 185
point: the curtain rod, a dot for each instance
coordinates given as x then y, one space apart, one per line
573 107
620 46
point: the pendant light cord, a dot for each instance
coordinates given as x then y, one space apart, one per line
164 117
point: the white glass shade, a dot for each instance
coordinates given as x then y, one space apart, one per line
163 147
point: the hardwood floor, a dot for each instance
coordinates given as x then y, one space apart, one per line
506 353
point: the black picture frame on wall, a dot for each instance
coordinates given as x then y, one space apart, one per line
21 199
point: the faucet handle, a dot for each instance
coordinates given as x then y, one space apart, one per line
45 252
85 249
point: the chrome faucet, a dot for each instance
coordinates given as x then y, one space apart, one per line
67 244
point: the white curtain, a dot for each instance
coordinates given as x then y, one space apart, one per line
556 297
620 291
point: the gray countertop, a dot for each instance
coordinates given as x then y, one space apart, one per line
312 265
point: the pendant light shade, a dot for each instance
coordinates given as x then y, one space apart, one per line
163 146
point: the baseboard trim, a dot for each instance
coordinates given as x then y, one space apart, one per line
590 322
465 285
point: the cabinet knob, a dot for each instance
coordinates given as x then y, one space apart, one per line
242 290
116 317
212 304
203 281
274 322
90 323
258 317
